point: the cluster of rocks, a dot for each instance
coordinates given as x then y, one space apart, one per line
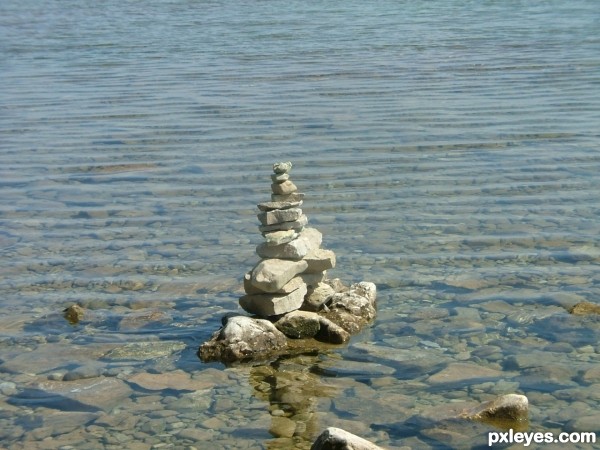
288 291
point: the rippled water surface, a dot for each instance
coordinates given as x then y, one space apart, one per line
449 151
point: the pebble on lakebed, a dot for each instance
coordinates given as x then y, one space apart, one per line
289 288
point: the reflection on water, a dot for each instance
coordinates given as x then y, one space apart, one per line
449 153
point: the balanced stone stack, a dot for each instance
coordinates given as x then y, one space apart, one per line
293 265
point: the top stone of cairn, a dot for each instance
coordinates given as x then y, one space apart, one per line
282 167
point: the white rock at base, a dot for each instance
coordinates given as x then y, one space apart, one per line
337 439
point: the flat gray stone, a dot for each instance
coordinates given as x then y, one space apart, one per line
279 215
313 279
289 287
270 275
270 206
280 237
293 197
295 225
266 305
98 393
319 260
307 242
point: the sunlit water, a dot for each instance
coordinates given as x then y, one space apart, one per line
449 151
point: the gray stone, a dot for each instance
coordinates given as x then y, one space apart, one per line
270 206
337 439
319 260
317 296
299 324
509 407
141 351
289 287
279 215
270 275
97 393
313 279
284 188
266 305
308 240
295 225
293 197
243 338
331 332
280 177
282 167
280 237
460 372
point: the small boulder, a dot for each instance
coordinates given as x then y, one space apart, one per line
506 409
243 338
317 297
585 308
337 439
331 332
299 324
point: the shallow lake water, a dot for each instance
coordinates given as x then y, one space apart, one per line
449 152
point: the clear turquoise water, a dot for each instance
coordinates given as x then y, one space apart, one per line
449 152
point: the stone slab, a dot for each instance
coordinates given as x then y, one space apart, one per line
291 286
295 225
270 206
279 215
266 305
270 275
280 237
319 260
307 242
294 197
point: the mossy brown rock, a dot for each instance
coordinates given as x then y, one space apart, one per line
585 308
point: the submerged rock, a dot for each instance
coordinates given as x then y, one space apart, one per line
243 338
585 308
507 411
337 439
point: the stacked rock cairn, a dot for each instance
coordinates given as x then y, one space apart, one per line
292 260
288 292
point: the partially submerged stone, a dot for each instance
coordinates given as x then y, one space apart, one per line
299 324
337 439
243 338
585 308
506 410
74 314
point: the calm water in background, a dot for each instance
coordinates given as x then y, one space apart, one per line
449 151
